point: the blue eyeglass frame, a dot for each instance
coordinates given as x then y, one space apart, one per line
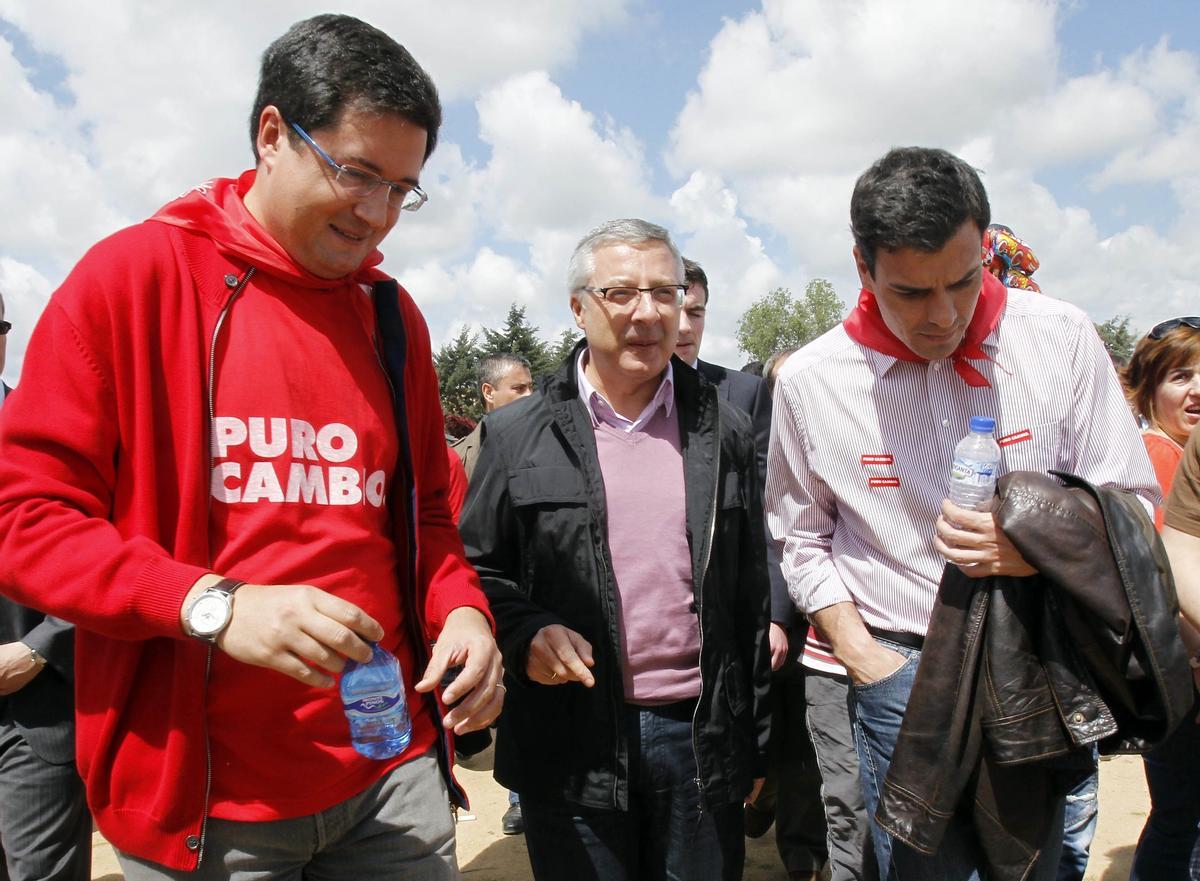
403 189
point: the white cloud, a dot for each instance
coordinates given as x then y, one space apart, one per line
25 293
795 100
789 105
825 85
554 166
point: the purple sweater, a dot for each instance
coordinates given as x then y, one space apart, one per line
652 564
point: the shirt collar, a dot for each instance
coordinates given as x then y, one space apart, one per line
600 410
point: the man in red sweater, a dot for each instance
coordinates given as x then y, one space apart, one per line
226 466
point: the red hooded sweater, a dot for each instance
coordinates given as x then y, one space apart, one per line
104 498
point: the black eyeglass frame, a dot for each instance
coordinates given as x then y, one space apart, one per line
1163 328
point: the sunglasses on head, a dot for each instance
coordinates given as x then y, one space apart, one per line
1161 330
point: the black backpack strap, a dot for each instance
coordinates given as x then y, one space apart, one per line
393 344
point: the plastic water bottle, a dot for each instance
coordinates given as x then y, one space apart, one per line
374 700
976 462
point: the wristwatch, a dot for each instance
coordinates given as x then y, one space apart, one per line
209 614
36 657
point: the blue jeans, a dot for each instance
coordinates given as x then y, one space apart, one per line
663 836
1079 826
877 709
1173 777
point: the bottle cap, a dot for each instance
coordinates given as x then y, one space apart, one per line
983 424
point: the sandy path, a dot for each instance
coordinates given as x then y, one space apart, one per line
486 855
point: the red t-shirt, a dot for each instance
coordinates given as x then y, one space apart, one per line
304 451
1164 455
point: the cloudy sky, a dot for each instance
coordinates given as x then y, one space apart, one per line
739 125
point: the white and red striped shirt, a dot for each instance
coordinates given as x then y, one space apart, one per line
861 447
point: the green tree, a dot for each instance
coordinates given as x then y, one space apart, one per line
779 321
1117 337
560 350
456 364
519 337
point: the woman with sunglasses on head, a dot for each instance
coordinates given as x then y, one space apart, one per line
1162 381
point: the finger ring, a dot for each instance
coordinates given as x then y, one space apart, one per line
500 685
554 674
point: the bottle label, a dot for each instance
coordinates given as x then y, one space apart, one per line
373 704
973 473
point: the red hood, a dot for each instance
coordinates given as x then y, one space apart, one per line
216 209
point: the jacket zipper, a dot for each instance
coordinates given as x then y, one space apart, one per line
608 579
212 418
712 528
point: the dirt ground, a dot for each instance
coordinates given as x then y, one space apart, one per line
486 855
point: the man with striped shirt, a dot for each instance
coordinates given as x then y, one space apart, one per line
866 421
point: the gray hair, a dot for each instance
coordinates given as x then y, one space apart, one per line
492 368
628 231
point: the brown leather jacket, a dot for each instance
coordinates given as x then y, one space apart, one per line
1020 675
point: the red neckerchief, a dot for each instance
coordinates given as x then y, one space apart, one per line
866 326
215 209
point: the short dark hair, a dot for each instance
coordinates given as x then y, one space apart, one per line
492 368
327 63
693 273
915 197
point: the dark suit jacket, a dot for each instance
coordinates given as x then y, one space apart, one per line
44 710
750 395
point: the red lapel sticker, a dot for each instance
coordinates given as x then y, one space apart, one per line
879 459
876 482
1015 438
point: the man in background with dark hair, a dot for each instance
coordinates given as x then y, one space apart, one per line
503 378
45 827
791 796
241 483
867 419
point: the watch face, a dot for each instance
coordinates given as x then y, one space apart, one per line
209 614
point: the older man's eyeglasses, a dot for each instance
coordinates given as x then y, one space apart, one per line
5 327
361 183
662 295
1161 330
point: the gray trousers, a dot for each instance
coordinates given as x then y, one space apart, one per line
841 788
400 827
45 828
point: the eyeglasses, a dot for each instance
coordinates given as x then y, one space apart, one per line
662 295
361 183
1161 330
5 327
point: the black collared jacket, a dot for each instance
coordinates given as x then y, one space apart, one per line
535 527
1021 675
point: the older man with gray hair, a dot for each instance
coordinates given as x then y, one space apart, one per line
615 522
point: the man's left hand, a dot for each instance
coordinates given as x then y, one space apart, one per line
466 639
17 667
973 542
778 639
753 796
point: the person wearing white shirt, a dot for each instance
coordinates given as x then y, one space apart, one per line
866 420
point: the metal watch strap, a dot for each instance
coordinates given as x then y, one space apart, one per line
37 658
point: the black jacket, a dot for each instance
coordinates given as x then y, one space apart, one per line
750 394
44 710
1021 675
534 526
